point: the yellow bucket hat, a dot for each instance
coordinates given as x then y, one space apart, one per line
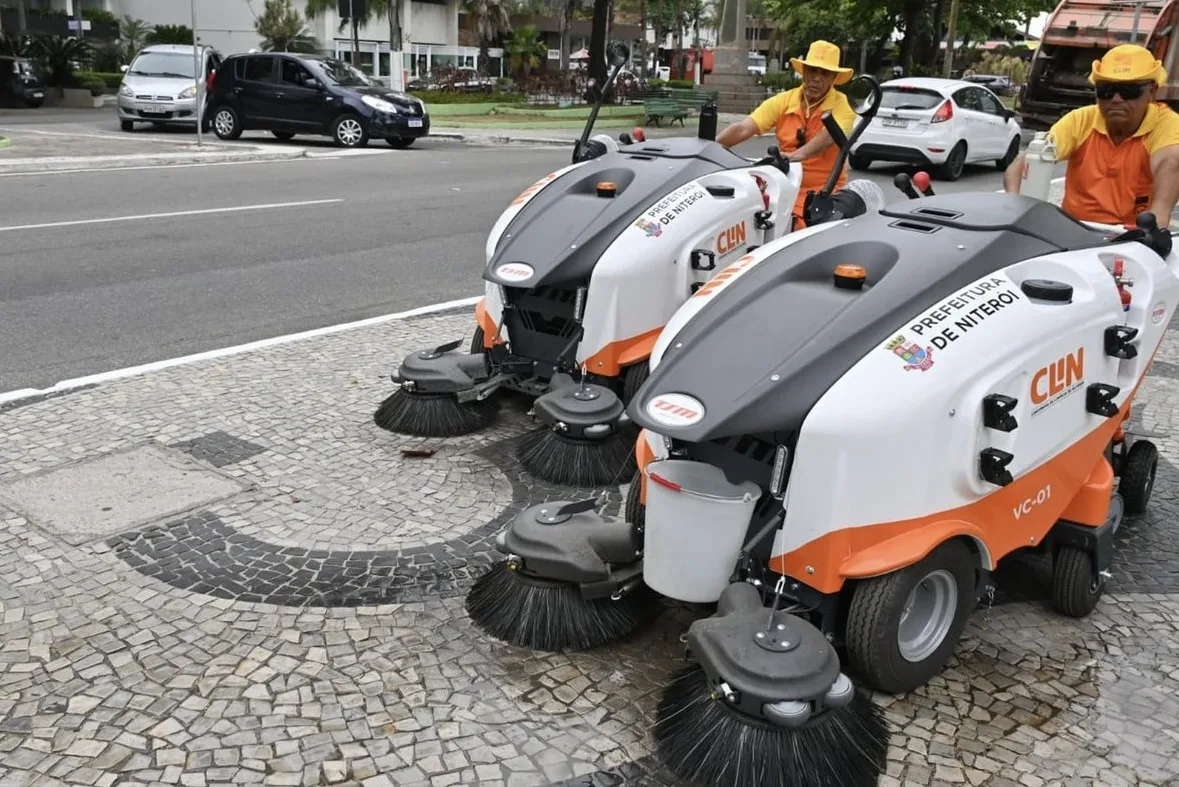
824 55
1128 63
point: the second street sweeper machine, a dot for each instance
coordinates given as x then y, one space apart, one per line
844 432
584 269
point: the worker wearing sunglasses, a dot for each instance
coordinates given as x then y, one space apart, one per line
796 118
1123 150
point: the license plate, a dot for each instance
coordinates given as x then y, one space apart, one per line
415 124
153 109
895 122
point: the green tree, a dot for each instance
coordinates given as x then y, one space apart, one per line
526 50
371 10
492 21
282 28
169 34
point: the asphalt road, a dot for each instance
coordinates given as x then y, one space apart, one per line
406 229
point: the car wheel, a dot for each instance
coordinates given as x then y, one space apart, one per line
226 124
283 135
859 163
127 125
34 103
349 132
400 142
955 163
1012 151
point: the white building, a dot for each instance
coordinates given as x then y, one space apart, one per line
429 29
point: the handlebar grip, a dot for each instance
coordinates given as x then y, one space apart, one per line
834 130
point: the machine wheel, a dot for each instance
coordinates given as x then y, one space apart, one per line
127 125
226 124
1137 477
1012 151
349 132
400 142
283 135
1076 587
859 163
955 163
903 627
633 378
635 511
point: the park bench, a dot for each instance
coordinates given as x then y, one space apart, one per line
674 104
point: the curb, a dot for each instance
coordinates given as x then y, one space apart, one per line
499 139
57 163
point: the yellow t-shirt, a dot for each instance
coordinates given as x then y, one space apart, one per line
770 111
1160 129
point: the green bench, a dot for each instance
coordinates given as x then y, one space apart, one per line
674 104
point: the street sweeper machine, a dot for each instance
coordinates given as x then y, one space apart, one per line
843 433
583 270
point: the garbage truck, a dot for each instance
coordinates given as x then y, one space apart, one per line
1081 31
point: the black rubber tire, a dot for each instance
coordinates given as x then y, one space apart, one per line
1008 157
875 613
235 129
1076 588
34 103
635 511
283 135
1137 477
859 163
401 143
336 131
955 164
127 125
633 377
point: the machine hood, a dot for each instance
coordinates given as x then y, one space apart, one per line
758 355
538 247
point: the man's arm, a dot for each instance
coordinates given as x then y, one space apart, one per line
1164 166
736 133
844 115
1014 174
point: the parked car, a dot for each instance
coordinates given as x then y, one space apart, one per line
942 124
20 84
996 83
160 85
288 94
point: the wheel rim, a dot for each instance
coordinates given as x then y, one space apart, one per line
348 131
928 615
223 122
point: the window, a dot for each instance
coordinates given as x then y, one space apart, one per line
989 103
967 98
292 72
255 69
163 64
909 98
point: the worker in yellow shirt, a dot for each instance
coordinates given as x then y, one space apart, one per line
1122 151
796 116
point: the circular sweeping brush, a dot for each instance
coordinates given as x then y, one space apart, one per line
703 741
552 457
553 616
433 415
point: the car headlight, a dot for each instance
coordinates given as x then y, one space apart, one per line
379 104
188 92
126 92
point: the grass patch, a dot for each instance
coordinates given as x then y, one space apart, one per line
530 122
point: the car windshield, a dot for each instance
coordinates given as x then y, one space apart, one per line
909 98
342 74
163 64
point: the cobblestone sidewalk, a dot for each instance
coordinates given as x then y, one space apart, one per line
225 574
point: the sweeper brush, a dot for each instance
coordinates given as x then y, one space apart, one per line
552 616
705 742
549 456
433 415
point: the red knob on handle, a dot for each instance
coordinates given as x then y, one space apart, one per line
921 180
637 135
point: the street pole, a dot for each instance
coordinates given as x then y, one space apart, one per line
951 37
1137 13
196 70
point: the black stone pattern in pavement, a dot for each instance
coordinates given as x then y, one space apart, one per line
202 554
219 448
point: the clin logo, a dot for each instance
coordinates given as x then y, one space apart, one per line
914 355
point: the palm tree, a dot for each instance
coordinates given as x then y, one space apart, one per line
525 49
317 8
491 21
282 28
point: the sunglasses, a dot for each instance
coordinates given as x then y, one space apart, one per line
1128 91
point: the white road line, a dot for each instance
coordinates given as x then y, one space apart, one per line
173 214
132 371
35 173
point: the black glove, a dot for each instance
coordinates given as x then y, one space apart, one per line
1160 240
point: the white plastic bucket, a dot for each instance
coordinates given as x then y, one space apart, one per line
696 522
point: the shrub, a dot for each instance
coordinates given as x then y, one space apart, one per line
107 79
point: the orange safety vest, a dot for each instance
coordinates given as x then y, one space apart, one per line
1108 183
816 170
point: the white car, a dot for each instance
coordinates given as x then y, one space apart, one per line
943 124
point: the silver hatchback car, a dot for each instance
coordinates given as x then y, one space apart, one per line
160 85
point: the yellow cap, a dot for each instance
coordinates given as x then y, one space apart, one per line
823 55
1128 63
